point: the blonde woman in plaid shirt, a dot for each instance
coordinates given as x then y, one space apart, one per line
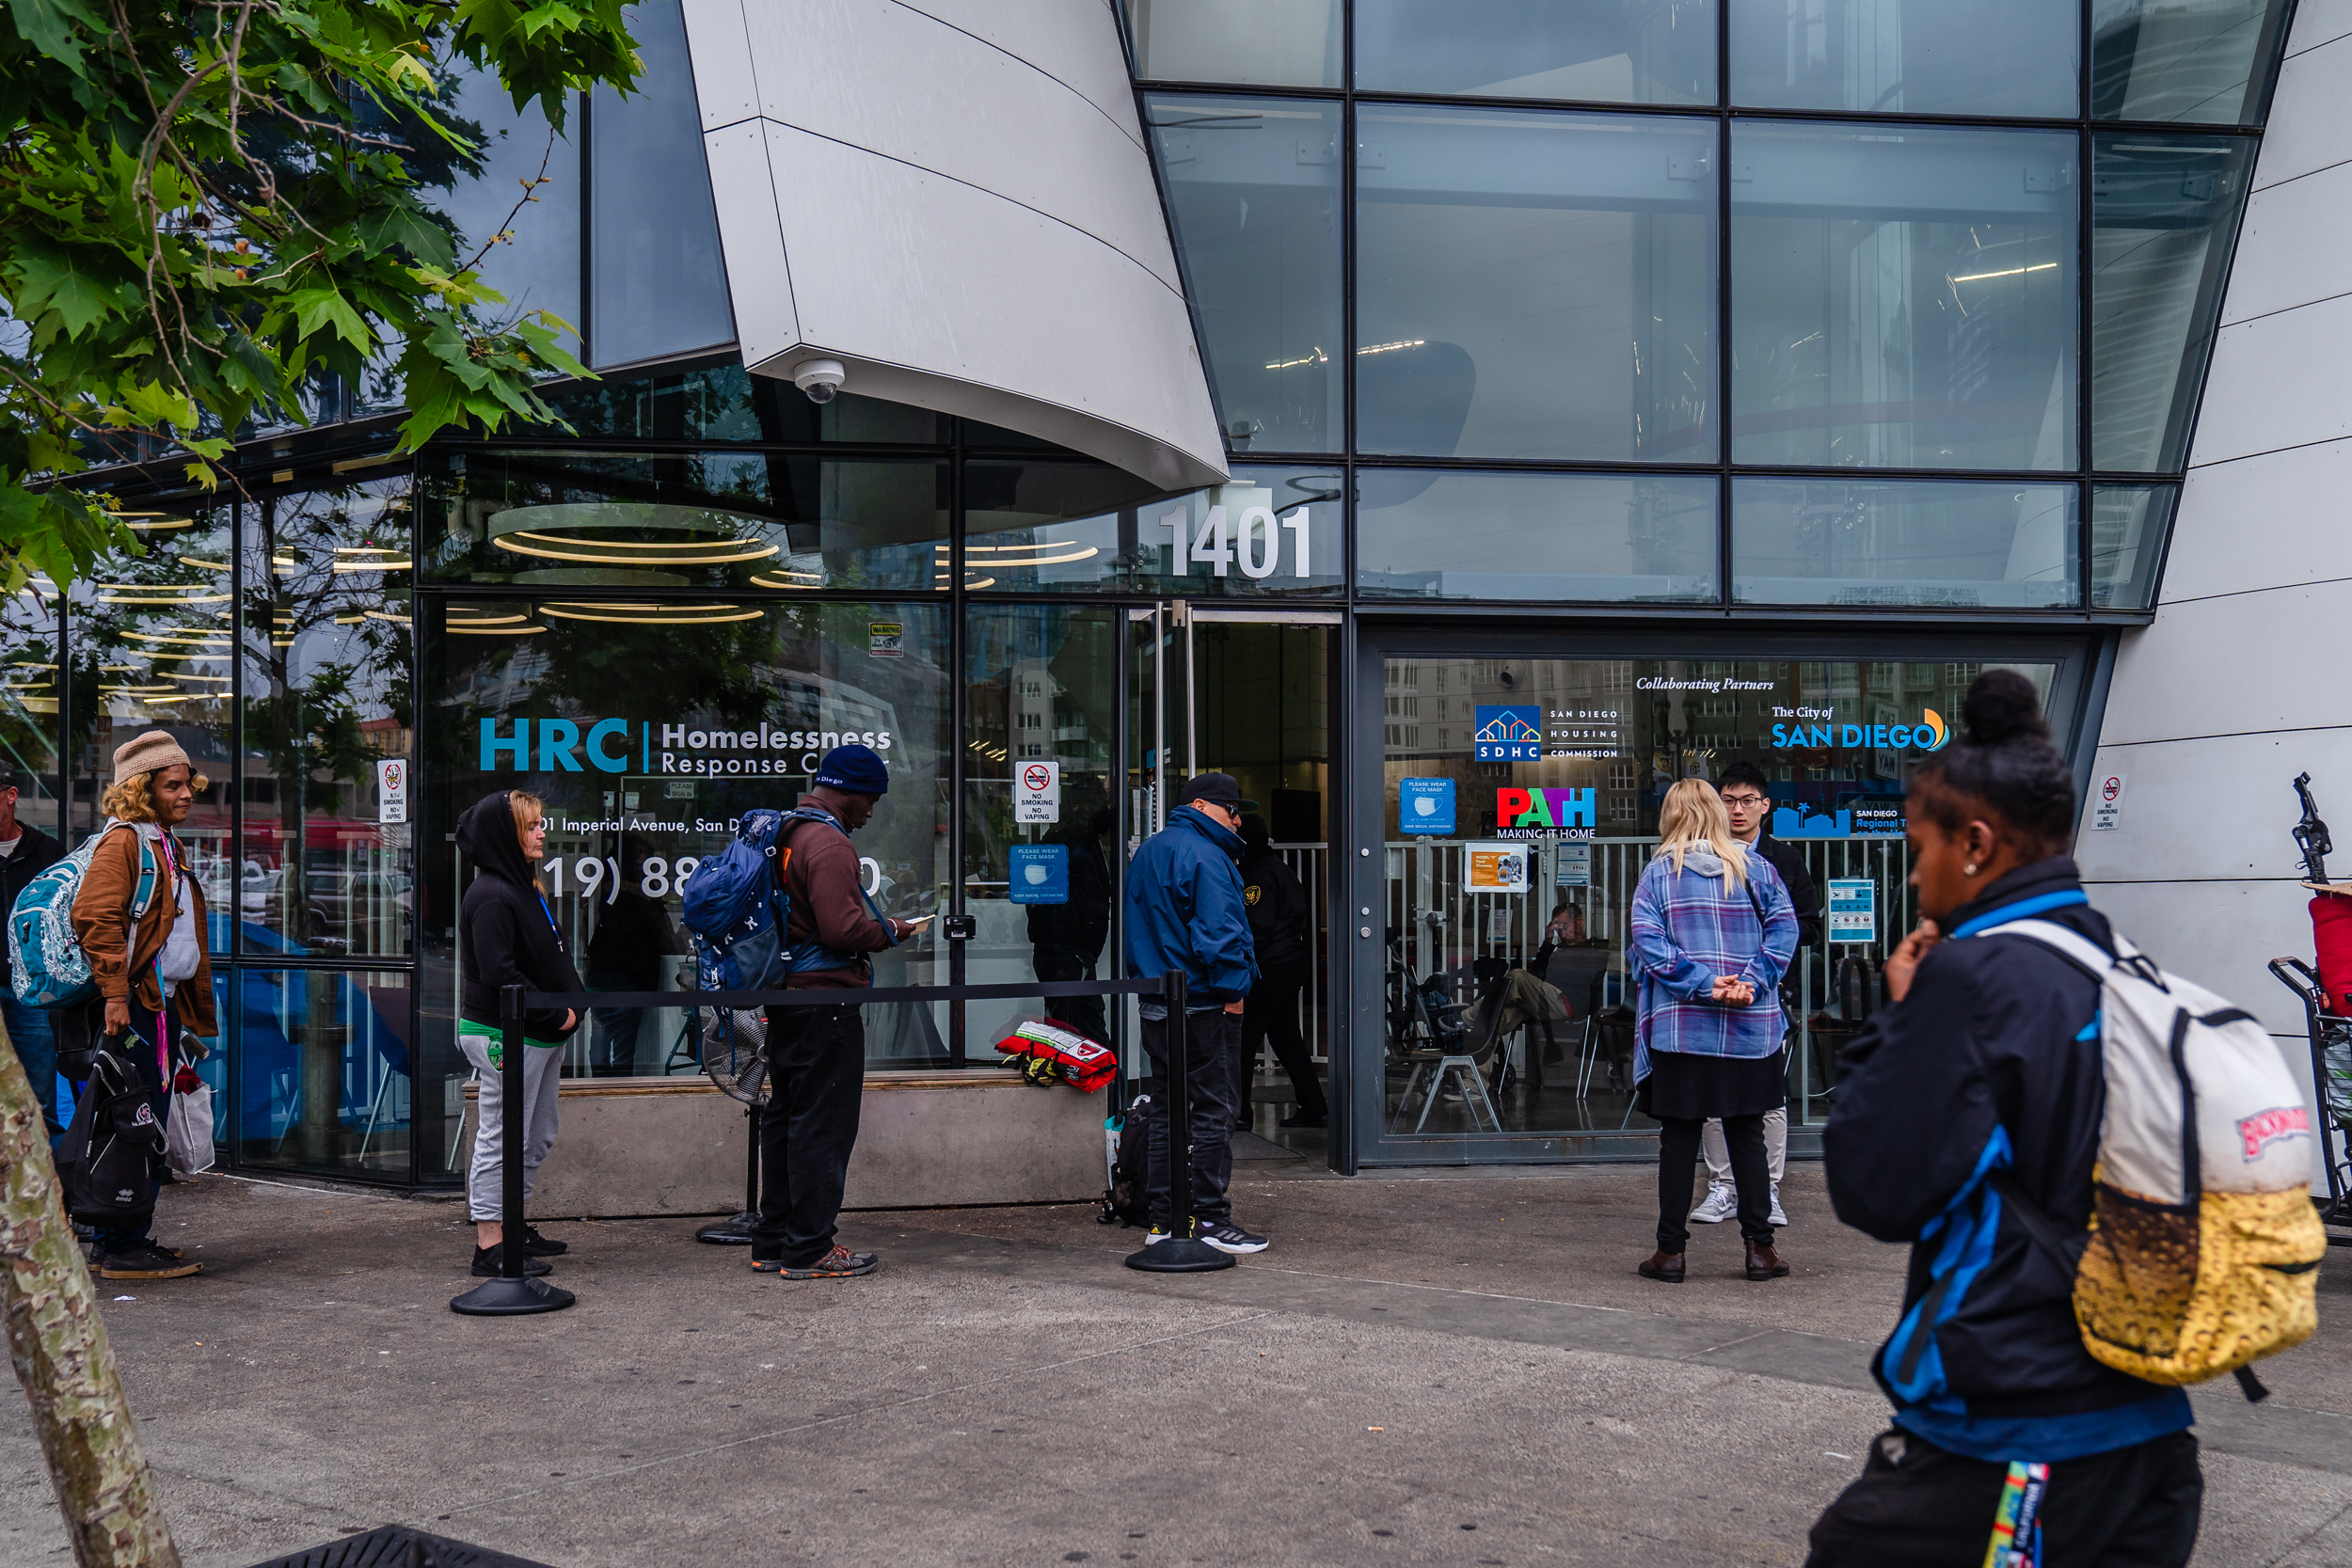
1713 931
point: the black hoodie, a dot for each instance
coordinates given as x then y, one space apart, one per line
504 929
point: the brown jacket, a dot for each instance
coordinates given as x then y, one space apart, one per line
828 895
102 920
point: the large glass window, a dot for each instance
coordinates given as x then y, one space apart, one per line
1275 43
2021 58
2204 61
1535 285
555 517
1064 526
1445 535
2163 211
526 189
1593 51
322 867
1543 779
1904 297
31 657
325 1073
1253 191
1961 543
648 728
658 284
2129 524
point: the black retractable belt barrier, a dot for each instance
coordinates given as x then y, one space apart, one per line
1182 1252
737 1232
513 1293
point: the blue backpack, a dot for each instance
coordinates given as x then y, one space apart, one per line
45 957
739 912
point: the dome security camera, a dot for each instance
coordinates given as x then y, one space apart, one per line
820 379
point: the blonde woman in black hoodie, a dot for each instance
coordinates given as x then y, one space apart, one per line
507 936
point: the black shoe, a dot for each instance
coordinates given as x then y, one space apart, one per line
1300 1118
840 1263
1226 1236
537 1245
487 1258
146 1260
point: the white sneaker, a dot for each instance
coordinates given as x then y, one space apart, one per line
1779 1216
1719 1205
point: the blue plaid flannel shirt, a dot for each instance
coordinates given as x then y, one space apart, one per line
1688 929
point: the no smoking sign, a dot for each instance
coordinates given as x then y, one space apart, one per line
2106 811
1037 792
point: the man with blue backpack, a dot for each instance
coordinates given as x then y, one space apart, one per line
816 1054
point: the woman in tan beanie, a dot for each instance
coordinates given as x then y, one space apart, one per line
152 972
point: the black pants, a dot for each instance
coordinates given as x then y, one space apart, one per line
817 1071
1271 1013
1212 1039
612 1049
1677 1172
1919 1506
1083 1013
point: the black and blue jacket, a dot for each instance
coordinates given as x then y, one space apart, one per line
1185 911
1991 1065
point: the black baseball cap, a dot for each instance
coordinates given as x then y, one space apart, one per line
1217 789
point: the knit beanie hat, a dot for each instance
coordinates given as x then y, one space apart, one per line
145 753
854 770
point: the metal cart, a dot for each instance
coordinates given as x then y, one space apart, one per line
2331 1080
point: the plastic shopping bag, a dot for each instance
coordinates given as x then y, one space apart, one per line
188 1131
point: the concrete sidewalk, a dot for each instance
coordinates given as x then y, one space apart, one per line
1429 1368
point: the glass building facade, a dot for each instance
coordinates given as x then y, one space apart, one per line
1614 390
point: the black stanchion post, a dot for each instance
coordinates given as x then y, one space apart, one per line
738 1232
513 1292
1182 1252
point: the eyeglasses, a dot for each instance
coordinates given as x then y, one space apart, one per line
1743 800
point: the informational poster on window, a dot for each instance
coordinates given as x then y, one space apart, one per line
1425 805
1039 873
1853 910
1572 865
1037 792
1495 868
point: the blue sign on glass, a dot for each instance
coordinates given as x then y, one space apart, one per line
1425 805
1509 733
1040 873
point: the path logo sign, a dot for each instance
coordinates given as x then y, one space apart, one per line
1510 734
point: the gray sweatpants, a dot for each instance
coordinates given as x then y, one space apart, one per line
1776 1148
485 1179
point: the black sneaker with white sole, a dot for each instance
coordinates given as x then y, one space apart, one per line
1226 1236
488 1262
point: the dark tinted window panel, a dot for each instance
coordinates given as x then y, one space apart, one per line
2206 61
1956 543
1592 51
2012 57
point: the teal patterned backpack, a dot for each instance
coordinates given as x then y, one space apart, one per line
45 956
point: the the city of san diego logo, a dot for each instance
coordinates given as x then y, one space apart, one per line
1510 734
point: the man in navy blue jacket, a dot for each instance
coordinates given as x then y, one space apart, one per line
1185 911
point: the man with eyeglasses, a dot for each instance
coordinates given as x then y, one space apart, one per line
1749 804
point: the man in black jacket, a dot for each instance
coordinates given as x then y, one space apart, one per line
1748 802
26 852
1066 940
1278 924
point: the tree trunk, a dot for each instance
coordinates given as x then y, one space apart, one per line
58 1343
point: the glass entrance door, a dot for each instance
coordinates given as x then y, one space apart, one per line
1247 691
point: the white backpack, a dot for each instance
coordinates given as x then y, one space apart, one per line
2204 1247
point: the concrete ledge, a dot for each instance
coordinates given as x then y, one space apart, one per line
675 1146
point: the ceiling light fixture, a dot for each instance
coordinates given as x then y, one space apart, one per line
653 614
159 593
556 547
468 628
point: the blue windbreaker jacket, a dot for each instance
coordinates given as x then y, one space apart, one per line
1185 911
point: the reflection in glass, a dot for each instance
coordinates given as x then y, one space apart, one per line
1040 685
324 1076
2206 61
329 651
2019 57
648 726
1497 249
1275 43
717 519
1032 527
1956 542
1595 50
2129 525
659 284
1253 194
29 700
537 266
726 402
2163 211
1443 535
1904 297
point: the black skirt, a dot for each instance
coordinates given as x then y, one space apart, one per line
1684 1087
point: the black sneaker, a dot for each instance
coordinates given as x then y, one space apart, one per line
487 1258
1300 1118
840 1263
1226 1236
537 1245
146 1261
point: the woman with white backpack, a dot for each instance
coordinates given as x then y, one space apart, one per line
154 973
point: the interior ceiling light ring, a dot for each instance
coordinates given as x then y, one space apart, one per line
648 614
468 628
600 552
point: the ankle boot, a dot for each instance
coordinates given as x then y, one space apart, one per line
1763 1263
1665 1267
